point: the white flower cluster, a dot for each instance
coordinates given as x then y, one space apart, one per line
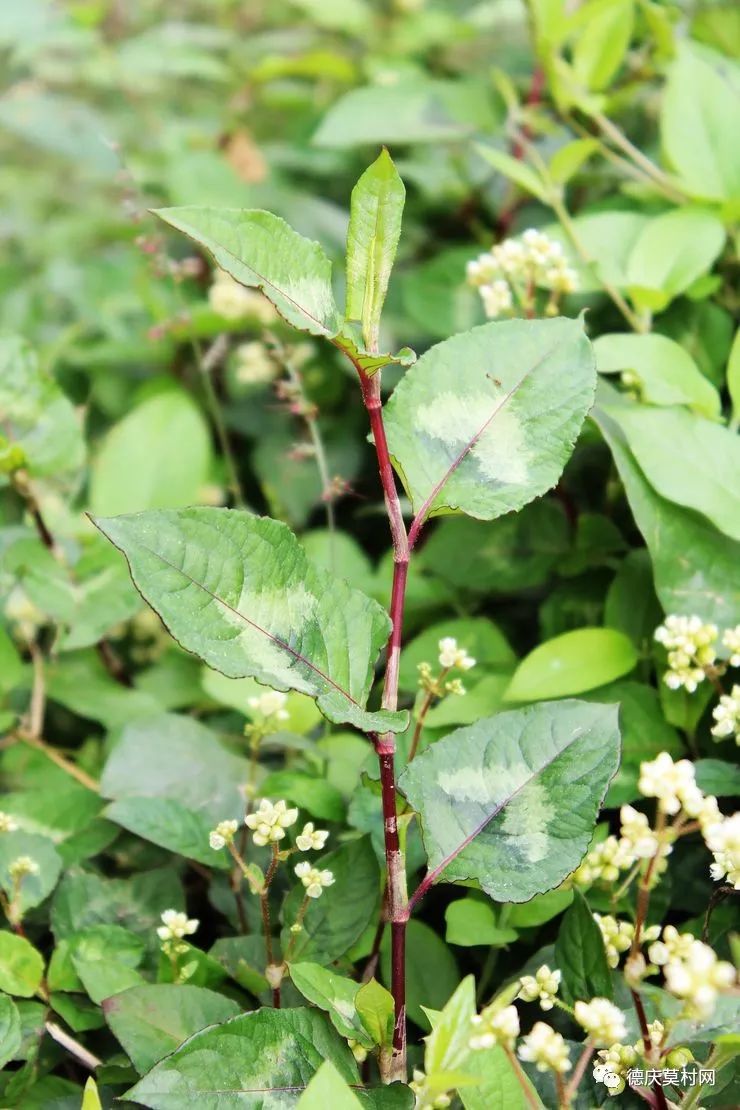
22 866
541 987
722 838
310 838
269 822
270 704
727 715
618 936
7 823
175 926
674 786
234 301
223 834
450 655
493 1026
546 1049
692 647
731 640
513 268
692 970
314 880
614 1061
603 1021
253 364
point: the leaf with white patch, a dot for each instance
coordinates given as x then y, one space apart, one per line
239 591
511 801
485 422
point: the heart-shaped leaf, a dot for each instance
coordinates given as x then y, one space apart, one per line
485 422
511 801
239 591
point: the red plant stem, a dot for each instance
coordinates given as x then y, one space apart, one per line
385 744
659 1096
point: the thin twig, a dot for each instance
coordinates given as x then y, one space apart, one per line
66 1041
61 761
522 1080
206 364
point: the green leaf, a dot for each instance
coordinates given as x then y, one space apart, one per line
540 909
447 1046
238 591
151 1021
667 373
706 578
567 161
11 667
105 958
700 121
335 994
704 475
34 888
372 239
472 426
602 45
21 966
472 921
314 795
581 956
511 801
90 1096
263 252
715 776
733 378
247 1062
375 1009
498 1087
158 456
37 418
571 663
10 1029
328 1088
645 733
480 637
671 253
336 920
515 170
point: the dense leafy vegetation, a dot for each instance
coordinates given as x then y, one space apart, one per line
369 554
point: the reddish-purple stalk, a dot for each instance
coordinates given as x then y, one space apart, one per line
385 744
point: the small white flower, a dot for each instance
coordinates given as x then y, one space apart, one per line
545 1048
314 880
233 301
23 866
497 298
604 862
727 715
310 838
671 783
541 987
692 647
494 1026
617 936
176 925
450 655
223 834
253 364
731 640
271 704
602 1020
7 823
697 977
635 830
723 841
269 822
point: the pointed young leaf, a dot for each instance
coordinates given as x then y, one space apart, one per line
485 422
259 1059
374 230
262 251
238 591
511 801
328 1088
447 1046
375 1008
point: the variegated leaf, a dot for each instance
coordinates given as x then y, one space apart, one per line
511 801
239 591
485 422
